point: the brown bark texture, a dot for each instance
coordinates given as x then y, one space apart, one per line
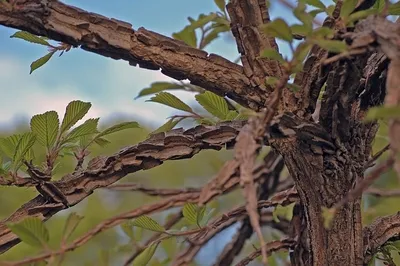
325 159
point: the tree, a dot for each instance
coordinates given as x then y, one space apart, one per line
318 110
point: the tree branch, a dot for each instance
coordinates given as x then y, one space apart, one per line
116 39
174 145
378 233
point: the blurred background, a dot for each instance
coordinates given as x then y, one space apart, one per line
111 86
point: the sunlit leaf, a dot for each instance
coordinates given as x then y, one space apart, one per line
193 213
9 144
89 127
170 124
101 142
171 101
213 103
144 258
31 231
30 38
332 45
40 62
148 223
45 126
24 144
117 128
315 3
361 15
169 246
394 9
187 35
203 20
74 112
128 229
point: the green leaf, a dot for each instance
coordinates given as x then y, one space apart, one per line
144 258
315 12
118 127
156 87
272 53
169 125
89 127
332 45
323 32
379 5
383 112
394 9
74 112
361 15
283 211
214 33
71 224
25 143
300 29
187 35
293 87
45 126
128 229
207 216
221 4
231 115
301 52
193 213
347 7
304 16
214 104
31 231
40 62
148 223
30 38
8 145
315 3
101 142
169 246
279 29
203 20
170 100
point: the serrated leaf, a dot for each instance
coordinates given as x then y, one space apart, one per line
31 231
347 7
193 213
30 38
272 53
315 3
170 100
148 223
332 45
101 142
24 144
221 4
89 127
231 115
40 62
158 87
169 125
128 229
279 29
45 126
118 127
213 103
187 35
71 224
74 112
383 112
9 144
394 9
144 258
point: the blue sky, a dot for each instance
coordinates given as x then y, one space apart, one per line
110 85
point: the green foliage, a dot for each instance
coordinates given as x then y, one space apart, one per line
315 3
171 101
148 223
332 45
214 104
45 126
221 4
383 112
71 224
279 29
26 36
74 112
283 211
145 256
193 213
272 53
89 127
170 124
31 231
156 87
40 62
22 149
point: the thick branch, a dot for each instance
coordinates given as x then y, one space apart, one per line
116 39
381 231
177 144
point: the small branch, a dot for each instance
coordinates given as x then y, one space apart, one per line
269 247
162 192
377 192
